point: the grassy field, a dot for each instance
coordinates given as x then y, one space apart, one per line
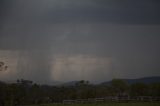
106 104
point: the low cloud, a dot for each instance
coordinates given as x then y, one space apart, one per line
92 68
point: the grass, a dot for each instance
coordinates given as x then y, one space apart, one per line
105 104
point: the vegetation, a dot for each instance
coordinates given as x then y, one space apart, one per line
106 104
26 92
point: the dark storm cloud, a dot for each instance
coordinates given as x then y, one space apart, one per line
121 12
121 36
1 8
3 12
110 11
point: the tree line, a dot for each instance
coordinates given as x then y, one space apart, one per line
25 92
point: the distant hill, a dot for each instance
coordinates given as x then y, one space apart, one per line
2 82
71 83
146 80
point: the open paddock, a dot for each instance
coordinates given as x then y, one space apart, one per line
104 104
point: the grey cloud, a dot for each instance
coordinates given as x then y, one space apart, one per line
55 11
125 12
126 32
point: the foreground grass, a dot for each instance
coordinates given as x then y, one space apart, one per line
105 104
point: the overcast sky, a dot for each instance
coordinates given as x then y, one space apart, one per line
65 40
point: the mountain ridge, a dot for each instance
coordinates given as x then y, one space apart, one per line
146 80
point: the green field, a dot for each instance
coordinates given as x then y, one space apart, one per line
106 104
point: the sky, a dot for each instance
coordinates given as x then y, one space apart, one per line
49 41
